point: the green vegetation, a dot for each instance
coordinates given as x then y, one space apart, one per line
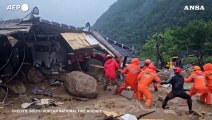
208 59
190 60
196 36
132 22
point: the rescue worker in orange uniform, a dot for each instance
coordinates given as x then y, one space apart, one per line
199 85
132 71
145 78
148 63
208 75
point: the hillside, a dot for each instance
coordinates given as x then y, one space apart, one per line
133 21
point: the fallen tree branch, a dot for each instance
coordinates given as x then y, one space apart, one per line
142 115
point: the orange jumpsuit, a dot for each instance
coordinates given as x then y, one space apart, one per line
147 66
199 86
145 79
132 71
208 75
154 83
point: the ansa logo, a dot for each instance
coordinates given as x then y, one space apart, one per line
194 7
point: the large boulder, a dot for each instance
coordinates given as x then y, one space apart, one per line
81 85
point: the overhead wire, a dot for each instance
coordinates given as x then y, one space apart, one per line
7 61
19 67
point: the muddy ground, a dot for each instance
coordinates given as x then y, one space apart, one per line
84 109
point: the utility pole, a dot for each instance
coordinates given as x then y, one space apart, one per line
159 57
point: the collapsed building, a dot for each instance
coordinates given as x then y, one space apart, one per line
57 47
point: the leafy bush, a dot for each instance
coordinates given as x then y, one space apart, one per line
208 59
190 60
195 36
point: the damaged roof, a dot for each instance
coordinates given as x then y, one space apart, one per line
12 26
75 37
76 40
121 48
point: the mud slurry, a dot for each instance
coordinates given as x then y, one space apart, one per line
93 109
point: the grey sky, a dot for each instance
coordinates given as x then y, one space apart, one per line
71 12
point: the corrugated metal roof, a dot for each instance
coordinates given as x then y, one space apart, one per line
124 52
76 40
91 40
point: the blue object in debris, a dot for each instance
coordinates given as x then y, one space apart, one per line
42 92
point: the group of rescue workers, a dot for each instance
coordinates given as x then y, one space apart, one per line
139 80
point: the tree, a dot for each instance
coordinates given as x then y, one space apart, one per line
196 37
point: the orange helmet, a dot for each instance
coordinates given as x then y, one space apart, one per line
147 61
196 68
135 61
